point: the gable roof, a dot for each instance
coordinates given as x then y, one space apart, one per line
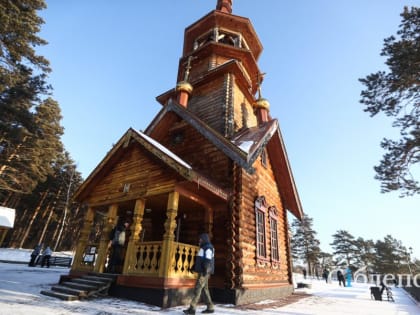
160 152
244 148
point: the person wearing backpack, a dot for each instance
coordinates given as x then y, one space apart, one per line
117 242
204 266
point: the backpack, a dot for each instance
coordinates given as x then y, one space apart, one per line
119 238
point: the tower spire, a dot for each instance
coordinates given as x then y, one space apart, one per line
224 6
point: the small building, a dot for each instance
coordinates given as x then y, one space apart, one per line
212 160
7 221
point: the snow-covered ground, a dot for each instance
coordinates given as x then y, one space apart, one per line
20 288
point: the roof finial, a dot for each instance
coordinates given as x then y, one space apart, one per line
224 6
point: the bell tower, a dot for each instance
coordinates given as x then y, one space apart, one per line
218 76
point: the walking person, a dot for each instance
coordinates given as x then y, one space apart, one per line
340 278
34 255
304 273
204 266
46 255
325 274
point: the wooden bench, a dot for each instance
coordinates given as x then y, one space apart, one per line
381 293
57 261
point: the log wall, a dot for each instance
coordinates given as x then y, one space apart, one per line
262 183
145 174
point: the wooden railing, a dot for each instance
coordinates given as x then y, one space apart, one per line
182 262
145 260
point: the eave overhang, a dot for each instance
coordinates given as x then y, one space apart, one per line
283 174
243 57
232 66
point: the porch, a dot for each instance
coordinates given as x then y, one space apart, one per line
158 252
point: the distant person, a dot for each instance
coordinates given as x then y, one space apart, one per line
340 278
348 276
46 255
34 255
304 273
325 275
117 242
204 266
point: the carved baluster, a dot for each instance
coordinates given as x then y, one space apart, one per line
153 261
140 262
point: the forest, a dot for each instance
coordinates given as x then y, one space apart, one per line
37 175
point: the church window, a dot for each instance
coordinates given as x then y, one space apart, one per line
260 215
274 241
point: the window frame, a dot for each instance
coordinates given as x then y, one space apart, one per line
274 235
260 236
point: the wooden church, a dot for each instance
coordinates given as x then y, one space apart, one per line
212 160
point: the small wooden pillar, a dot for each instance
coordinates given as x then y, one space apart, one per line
168 237
135 236
104 242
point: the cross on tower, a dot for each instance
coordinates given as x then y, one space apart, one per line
188 68
224 6
260 77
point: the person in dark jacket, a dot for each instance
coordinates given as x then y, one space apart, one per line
204 266
117 243
34 255
340 278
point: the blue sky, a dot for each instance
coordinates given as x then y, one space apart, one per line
110 59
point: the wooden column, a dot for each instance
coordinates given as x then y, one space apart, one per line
130 256
84 239
104 242
168 237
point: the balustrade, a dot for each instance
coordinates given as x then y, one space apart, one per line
146 259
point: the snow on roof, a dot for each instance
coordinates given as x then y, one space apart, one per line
163 149
246 146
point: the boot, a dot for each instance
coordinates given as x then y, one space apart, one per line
189 311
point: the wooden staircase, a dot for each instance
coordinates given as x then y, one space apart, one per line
87 286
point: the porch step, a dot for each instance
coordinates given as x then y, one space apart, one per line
61 296
68 290
89 282
75 285
87 286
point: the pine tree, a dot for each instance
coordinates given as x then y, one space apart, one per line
304 243
29 124
344 246
365 254
397 94
391 256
